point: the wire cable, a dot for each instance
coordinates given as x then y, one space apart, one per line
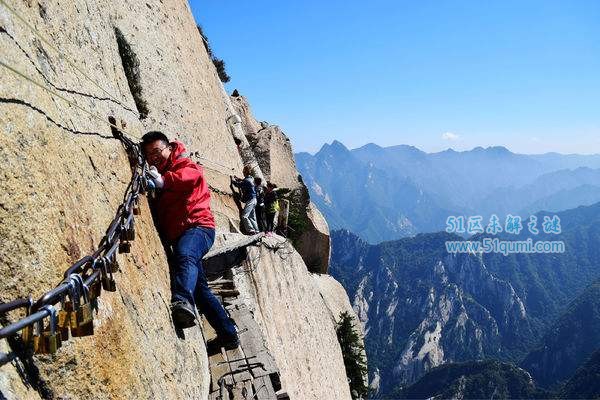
54 93
67 60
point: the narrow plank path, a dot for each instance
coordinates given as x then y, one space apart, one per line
249 371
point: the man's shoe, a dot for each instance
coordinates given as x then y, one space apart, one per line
183 314
214 345
230 343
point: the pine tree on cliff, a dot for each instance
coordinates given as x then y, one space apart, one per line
218 63
353 352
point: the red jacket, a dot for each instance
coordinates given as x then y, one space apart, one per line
184 201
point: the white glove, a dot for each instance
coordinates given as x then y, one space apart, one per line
156 177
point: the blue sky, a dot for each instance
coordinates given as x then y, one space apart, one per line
433 74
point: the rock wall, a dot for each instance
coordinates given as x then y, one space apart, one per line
178 83
308 228
62 177
295 320
60 187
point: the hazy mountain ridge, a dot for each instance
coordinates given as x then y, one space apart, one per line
553 191
384 193
370 201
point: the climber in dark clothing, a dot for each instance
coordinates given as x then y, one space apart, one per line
260 204
186 223
272 204
249 199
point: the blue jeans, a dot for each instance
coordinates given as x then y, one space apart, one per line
249 216
189 281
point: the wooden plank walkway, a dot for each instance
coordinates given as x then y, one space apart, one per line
217 263
249 371
247 241
252 341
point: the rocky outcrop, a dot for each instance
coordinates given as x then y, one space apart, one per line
62 176
335 298
272 148
295 320
314 243
337 302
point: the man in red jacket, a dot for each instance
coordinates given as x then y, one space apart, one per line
185 221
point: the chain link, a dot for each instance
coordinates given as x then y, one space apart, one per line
94 268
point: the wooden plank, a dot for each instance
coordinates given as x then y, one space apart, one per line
237 391
233 245
221 287
218 368
226 292
282 395
238 365
248 370
221 283
252 341
243 391
218 364
216 395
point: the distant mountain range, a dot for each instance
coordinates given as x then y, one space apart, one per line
497 380
385 193
474 380
423 307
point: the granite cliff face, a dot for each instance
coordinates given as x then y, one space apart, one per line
308 228
62 175
294 312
